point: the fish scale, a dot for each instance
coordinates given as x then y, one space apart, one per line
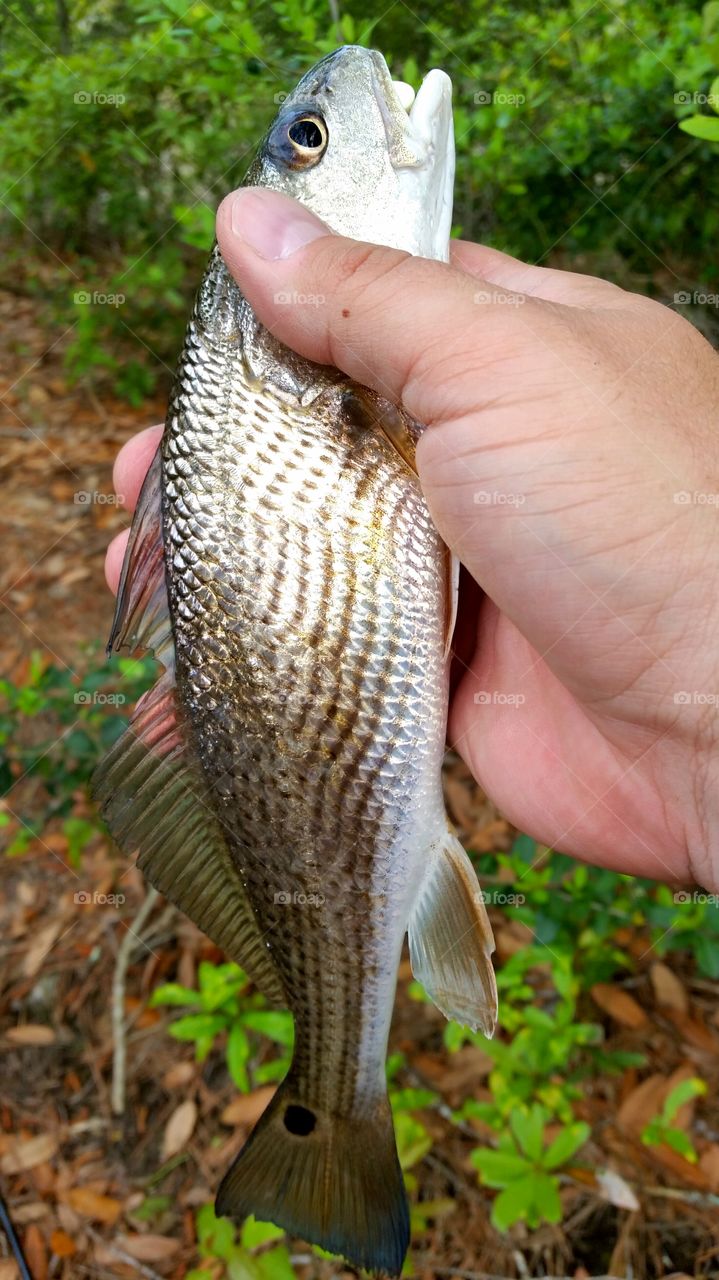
282 779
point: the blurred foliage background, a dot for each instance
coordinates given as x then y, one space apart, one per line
126 121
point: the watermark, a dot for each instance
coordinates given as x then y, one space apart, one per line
696 698
695 298
685 99
83 898
88 98
279 98
291 298
495 498
686 897
483 297
88 298
685 498
86 498
500 898
498 98
84 698
296 898
495 698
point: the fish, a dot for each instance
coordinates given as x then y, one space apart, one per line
281 781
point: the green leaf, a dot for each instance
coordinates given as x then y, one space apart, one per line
565 1145
546 1197
277 1026
175 994
528 1129
707 128
514 1203
197 1026
680 1142
499 1168
255 1233
238 1056
694 1087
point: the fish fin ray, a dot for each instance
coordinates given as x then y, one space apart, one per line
339 1186
450 939
153 797
142 615
452 600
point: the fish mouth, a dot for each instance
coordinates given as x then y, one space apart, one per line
420 141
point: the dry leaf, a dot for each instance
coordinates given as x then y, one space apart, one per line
8 1269
709 1165
618 1004
181 1073
694 1031
616 1190
179 1129
62 1244
91 1204
148 1248
26 1153
43 940
36 1252
247 1109
32 1212
31 1033
669 992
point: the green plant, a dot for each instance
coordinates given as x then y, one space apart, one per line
523 1168
661 1127
224 1006
257 1254
54 726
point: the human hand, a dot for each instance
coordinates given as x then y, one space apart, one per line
568 421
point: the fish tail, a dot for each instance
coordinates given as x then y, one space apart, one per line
332 1180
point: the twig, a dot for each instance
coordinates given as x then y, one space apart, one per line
8 1228
127 1258
124 954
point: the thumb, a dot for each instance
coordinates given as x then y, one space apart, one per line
412 329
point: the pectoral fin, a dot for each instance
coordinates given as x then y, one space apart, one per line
450 939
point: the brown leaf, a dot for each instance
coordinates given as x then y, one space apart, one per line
181 1073
148 1248
62 1244
248 1107
90 1204
26 1153
618 1004
36 1252
42 942
669 992
31 1033
647 1100
709 1165
179 1129
8 1269
694 1032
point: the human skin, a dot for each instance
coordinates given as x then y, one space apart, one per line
571 460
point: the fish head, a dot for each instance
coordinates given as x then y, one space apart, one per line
371 159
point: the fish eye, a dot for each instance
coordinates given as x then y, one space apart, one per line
308 135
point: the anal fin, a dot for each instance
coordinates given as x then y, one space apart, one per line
450 939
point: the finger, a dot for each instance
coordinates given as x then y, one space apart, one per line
402 325
568 287
114 557
132 463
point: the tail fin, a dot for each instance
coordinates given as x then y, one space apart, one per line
332 1180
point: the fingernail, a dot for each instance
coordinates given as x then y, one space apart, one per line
273 225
